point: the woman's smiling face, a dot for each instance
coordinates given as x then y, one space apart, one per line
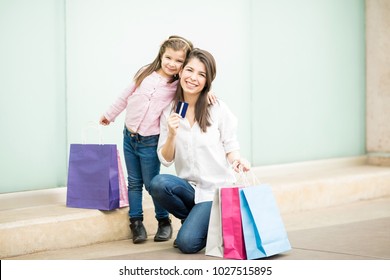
193 77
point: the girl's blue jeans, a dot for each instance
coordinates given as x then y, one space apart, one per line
177 196
142 165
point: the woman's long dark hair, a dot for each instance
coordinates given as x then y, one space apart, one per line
202 114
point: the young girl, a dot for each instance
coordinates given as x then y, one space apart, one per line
153 88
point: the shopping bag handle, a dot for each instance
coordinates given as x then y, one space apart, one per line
244 177
88 126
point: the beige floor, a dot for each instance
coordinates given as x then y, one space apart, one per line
355 231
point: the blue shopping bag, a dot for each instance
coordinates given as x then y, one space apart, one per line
263 228
93 181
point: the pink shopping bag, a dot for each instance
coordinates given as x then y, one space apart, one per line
123 193
233 238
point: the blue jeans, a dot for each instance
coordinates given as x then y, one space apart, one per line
177 196
142 165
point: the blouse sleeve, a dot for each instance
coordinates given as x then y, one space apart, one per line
163 136
120 103
228 129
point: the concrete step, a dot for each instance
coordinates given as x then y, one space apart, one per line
319 184
38 221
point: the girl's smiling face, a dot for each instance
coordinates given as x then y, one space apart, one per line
171 62
193 77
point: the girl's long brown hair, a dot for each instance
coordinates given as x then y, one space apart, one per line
202 114
174 42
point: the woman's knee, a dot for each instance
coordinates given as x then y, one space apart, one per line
189 244
154 184
158 185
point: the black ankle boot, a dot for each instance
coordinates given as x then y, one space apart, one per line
139 232
164 231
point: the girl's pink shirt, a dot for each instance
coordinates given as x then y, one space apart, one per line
144 104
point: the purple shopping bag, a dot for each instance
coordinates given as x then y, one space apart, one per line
93 180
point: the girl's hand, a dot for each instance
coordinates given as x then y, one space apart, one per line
104 121
241 165
211 98
173 124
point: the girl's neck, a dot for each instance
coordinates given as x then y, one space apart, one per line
163 74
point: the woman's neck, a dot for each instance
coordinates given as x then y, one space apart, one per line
191 99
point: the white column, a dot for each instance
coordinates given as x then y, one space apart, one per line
378 81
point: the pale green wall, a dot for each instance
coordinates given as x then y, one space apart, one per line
32 95
292 71
308 83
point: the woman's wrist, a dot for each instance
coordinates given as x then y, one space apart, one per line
235 164
171 135
240 164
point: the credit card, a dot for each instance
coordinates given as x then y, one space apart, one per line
181 109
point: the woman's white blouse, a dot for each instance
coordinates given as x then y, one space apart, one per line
200 157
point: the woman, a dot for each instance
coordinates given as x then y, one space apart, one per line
203 146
